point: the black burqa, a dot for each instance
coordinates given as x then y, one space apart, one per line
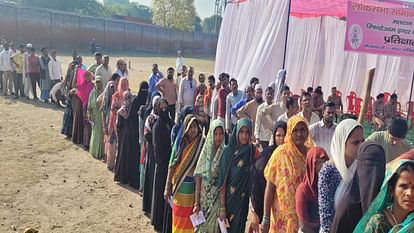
162 151
365 187
149 161
127 162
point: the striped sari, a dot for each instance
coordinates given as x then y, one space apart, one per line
183 186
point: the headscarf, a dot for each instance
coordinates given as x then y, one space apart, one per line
266 153
126 104
107 98
384 200
231 148
84 87
176 132
342 132
363 188
142 93
307 191
370 171
152 116
123 85
183 163
208 155
289 144
150 104
95 97
341 135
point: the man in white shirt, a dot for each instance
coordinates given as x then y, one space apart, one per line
306 106
187 90
6 68
232 98
262 134
55 70
292 108
179 63
104 70
323 131
26 79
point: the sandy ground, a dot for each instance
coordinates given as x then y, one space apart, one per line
54 186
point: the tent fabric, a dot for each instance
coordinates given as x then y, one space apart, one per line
315 8
251 44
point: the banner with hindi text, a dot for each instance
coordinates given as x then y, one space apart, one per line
380 27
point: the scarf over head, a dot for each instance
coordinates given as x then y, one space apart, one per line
307 191
231 148
384 200
84 86
341 135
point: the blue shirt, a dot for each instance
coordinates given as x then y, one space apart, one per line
238 105
153 79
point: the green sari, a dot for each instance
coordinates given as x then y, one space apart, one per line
96 144
235 166
373 220
207 168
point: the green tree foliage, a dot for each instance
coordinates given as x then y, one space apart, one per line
85 7
212 24
129 9
178 14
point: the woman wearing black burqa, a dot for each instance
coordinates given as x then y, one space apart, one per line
127 163
149 156
162 150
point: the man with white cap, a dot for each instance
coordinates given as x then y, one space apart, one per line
250 109
26 80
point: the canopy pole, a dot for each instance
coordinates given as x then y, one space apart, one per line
286 35
411 95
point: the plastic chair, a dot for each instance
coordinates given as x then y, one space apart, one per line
410 109
386 96
339 93
369 114
358 102
296 97
353 93
350 100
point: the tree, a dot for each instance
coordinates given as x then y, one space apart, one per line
85 7
128 9
212 24
197 24
178 14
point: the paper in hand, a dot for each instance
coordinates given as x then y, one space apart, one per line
197 218
223 225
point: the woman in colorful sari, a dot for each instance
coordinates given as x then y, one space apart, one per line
105 113
258 180
116 104
180 181
284 172
94 115
206 175
392 211
236 162
307 192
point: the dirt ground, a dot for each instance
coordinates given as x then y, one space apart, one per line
54 186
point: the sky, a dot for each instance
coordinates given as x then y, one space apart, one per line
204 8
